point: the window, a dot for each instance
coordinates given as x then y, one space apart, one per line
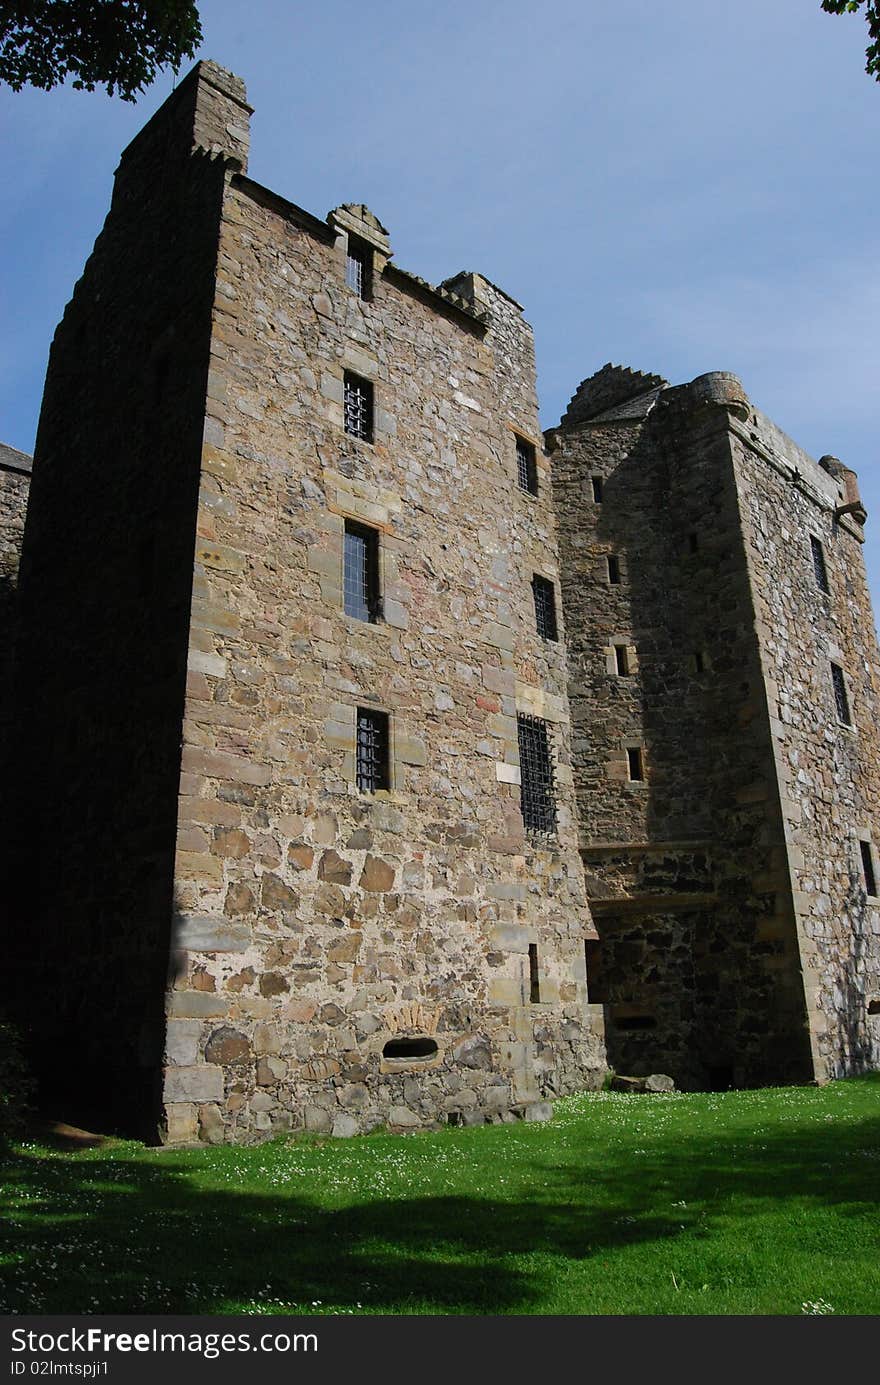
526 466
621 660
841 700
819 567
868 868
693 543
359 268
635 762
537 780
358 396
372 751
360 582
699 661
534 976
613 569
545 607
596 483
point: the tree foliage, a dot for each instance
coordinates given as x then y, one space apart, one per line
872 16
119 44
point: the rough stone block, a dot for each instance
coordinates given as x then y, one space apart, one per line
211 933
538 1111
200 1083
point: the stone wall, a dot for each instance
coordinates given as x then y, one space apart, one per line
829 772
318 923
15 476
105 592
716 997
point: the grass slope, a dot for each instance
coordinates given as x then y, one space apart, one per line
741 1203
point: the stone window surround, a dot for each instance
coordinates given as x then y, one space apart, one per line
628 745
520 434
864 840
404 751
836 660
610 651
359 251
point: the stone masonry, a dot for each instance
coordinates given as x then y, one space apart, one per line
15 476
740 932
621 776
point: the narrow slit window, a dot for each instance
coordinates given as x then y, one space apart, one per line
359 269
819 566
372 766
613 569
868 868
699 661
635 762
526 466
358 407
693 543
545 607
621 660
537 778
534 975
596 483
841 699
361 572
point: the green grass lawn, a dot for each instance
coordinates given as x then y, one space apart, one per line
746 1202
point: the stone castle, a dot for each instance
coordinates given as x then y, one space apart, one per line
379 761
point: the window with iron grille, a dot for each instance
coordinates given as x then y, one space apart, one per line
545 607
537 779
526 466
359 268
358 407
360 582
841 700
868 868
372 769
819 567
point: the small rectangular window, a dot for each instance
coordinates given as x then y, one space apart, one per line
359 268
537 778
545 607
596 482
358 407
841 700
621 659
371 760
868 868
699 661
693 543
526 466
360 583
635 762
613 569
534 975
819 567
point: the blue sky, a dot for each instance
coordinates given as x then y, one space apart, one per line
680 187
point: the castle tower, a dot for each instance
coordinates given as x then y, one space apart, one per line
724 695
301 843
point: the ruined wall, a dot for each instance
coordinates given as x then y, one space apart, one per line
829 772
686 868
319 922
105 591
